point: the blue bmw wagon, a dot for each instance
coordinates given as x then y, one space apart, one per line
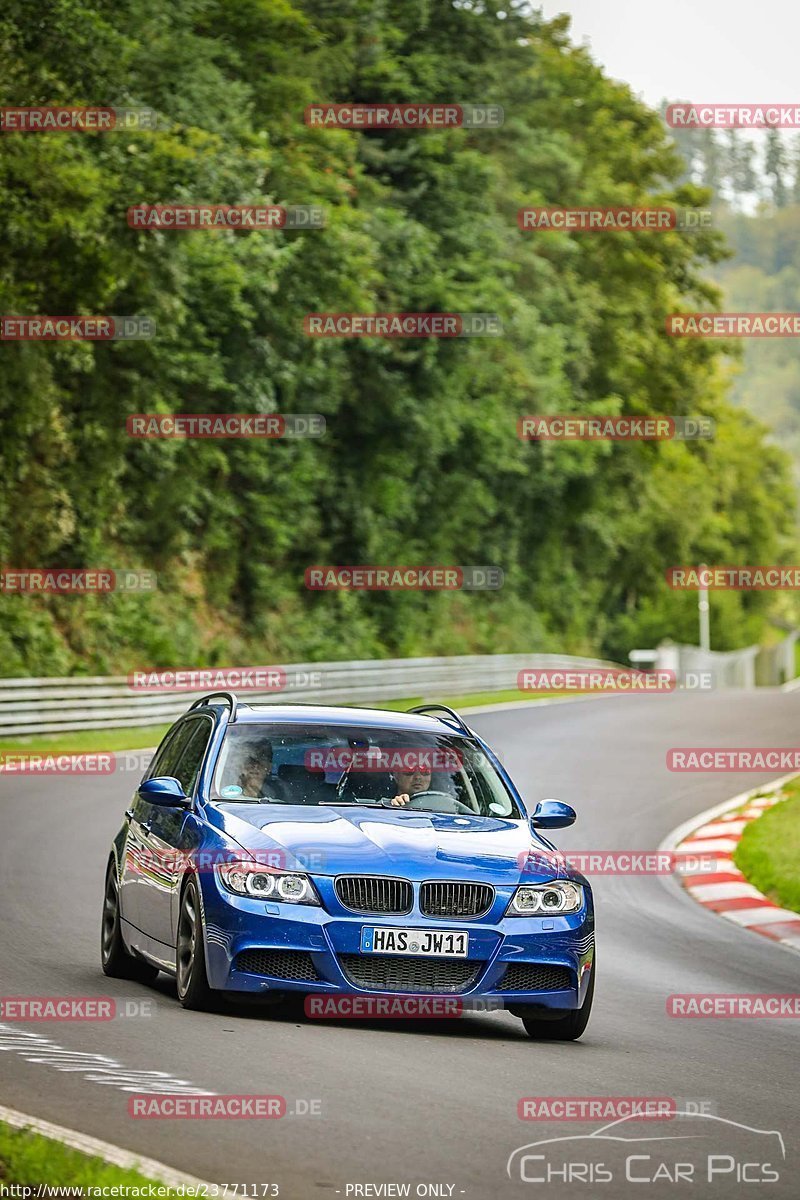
346 852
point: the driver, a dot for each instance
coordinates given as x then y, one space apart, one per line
410 784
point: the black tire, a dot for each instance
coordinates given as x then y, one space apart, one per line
563 1029
114 958
190 955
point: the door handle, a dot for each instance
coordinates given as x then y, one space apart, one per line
144 825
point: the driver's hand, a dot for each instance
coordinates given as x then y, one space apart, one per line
403 798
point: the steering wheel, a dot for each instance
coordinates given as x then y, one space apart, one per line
452 805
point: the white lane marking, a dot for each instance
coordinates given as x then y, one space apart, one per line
723 866
766 915
729 890
116 1155
721 828
97 1068
707 845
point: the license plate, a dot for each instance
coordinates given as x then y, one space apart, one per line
438 943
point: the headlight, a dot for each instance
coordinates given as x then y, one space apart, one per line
542 899
248 879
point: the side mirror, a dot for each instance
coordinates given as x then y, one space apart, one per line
164 791
552 814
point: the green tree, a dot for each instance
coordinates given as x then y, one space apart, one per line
421 462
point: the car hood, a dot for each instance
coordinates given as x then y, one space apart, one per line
345 840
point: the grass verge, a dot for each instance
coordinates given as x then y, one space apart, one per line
769 851
87 740
471 700
29 1158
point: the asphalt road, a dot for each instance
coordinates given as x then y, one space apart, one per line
433 1103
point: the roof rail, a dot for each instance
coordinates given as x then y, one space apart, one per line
229 696
452 714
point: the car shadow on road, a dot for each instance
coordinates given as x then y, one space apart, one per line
475 1025
498 1026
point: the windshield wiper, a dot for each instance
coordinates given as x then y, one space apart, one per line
349 803
247 800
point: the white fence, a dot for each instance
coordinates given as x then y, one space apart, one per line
764 666
56 705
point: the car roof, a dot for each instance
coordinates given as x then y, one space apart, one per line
332 715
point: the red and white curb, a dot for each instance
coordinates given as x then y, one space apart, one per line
714 835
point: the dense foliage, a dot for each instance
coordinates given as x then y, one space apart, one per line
421 462
755 182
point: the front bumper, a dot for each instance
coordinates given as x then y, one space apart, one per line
324 940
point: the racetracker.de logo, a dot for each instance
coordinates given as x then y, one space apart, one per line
56 119
206 1108
402 325
595 219
723 758
733 116
404 116
65 762
735 1004
192 426
736 579
595 679
616 862
396 578
57 1008
734 324
76 329
405 759
383 1007
165 861
596 1108
602 219
195 679
63 581
183 217
570 427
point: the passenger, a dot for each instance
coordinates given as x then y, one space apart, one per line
255 778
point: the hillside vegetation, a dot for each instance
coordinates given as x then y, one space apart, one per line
421 462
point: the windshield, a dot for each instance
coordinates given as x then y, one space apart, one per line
341 764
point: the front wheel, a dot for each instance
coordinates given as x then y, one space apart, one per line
115 959
563 1029
194 990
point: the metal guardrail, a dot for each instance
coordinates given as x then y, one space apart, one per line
109 702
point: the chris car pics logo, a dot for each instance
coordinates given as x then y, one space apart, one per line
694 1148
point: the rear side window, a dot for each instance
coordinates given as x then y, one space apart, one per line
192 753
169 752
